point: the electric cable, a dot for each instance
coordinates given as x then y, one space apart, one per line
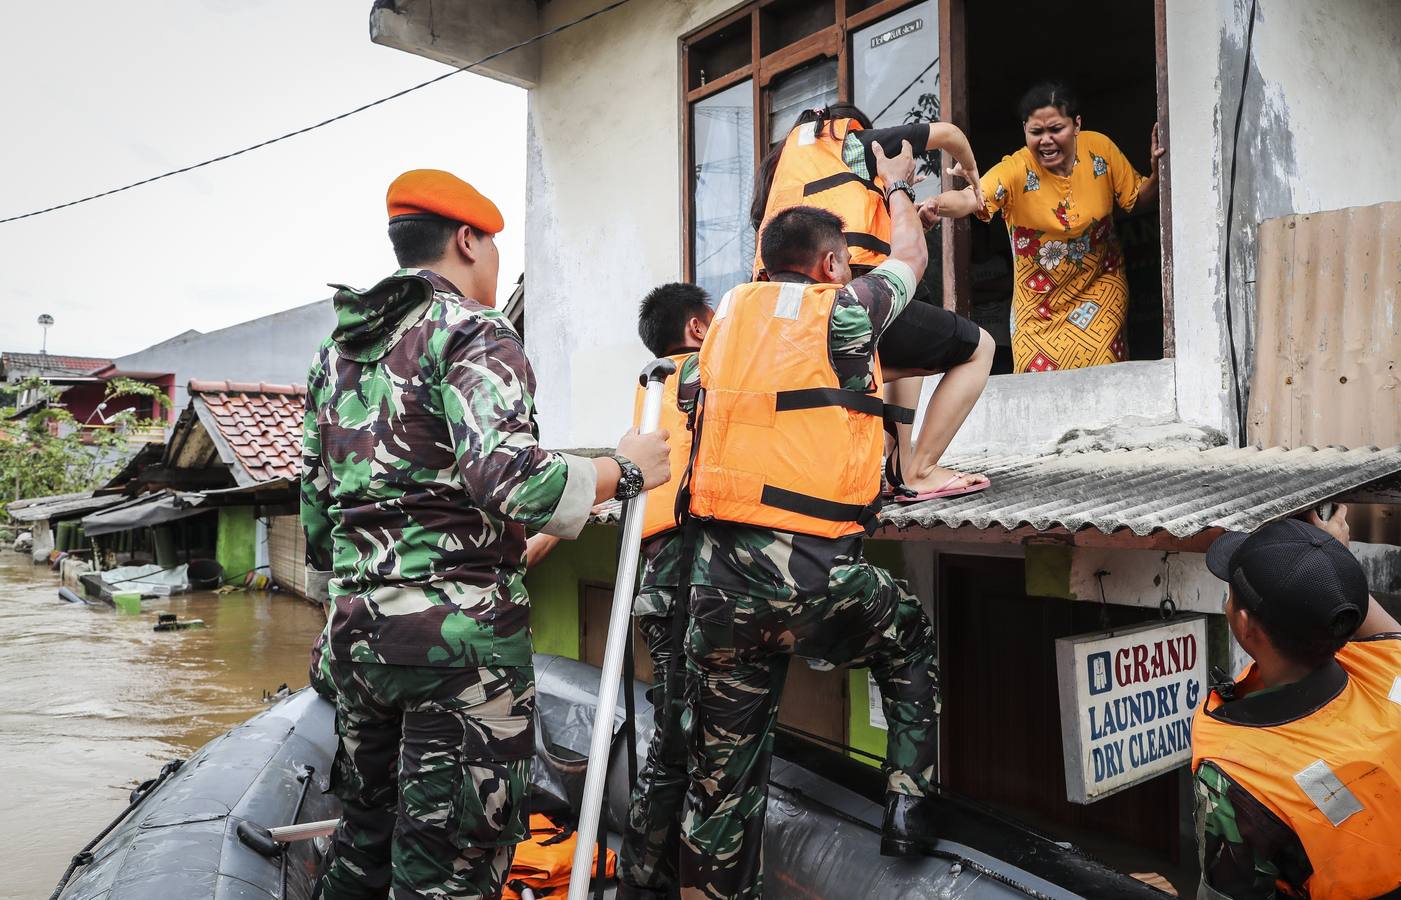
1230 217
324 122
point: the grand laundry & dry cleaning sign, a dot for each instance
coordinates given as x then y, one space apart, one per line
1127 698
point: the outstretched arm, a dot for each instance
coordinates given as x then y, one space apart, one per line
1377 621
907 242
950 139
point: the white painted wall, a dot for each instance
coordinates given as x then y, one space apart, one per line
1319 131
603 206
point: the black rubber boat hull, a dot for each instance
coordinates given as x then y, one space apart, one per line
823 825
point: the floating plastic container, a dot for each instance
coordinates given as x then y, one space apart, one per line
127 601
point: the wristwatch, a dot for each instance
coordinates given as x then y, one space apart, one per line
900 185
630 482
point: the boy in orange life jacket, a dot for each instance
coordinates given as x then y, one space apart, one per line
828 161
1298 764
672 321
785 477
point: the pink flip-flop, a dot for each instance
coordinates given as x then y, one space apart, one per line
908 495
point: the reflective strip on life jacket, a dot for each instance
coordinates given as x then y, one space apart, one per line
660 515
782 445
812 172
1332 776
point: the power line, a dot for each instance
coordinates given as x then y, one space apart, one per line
345 115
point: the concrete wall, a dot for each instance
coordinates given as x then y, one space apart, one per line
603 206
275 349
1318 131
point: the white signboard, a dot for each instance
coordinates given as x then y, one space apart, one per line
874 707
1127 698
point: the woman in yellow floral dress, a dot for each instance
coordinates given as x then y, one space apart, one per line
1057 195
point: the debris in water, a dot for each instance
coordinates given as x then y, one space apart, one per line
169 622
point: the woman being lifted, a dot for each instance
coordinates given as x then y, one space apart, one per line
827 161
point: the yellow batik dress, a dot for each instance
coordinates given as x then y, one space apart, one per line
1070 297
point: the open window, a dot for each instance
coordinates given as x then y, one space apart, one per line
747 75
1108 52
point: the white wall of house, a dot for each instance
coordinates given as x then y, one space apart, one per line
603 216
1318 131
603 206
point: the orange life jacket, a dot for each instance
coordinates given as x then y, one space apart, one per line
660 515
544 860
1333 776
781 444
811 172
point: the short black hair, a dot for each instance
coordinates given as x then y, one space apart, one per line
421 242
1049 93
662 317
796 237
1305 646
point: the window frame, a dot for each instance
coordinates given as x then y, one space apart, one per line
834 41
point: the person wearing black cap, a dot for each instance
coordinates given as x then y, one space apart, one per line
1298 763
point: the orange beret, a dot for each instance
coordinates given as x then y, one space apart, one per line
423 193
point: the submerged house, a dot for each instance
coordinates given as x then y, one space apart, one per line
223 487
1263 325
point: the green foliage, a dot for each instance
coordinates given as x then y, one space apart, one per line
47 451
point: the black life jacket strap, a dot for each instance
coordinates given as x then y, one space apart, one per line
836 181
896 415
818 508
818 398
866 242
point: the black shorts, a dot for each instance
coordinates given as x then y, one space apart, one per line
925 336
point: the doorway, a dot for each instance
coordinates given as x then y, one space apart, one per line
1001 725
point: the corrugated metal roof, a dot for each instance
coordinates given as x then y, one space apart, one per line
1181 491
59 506
53 365
1328 301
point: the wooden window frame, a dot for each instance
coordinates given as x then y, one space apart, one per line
834 41
831 42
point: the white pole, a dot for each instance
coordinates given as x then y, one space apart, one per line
619 632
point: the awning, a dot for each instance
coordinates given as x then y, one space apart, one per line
143 511
1182 492
58 506
168 505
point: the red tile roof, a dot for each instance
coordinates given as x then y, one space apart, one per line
261 424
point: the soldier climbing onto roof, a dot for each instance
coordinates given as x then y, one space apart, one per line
422 473
785 480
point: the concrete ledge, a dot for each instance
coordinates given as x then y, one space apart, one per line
458 32
1029 413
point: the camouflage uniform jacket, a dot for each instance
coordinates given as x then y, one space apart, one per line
777 565
422 472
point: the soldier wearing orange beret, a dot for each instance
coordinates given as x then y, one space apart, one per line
422 473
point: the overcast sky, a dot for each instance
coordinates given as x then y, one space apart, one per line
98 94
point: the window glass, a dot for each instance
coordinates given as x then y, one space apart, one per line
723 134
789 94
895 72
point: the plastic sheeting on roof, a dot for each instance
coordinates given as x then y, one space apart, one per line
1183 492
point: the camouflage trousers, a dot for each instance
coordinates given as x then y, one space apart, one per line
738 652
651 841
432 771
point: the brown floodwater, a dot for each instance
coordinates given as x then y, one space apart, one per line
93 701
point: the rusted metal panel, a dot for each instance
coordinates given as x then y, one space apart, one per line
1328 302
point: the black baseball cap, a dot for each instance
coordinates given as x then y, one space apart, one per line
1305 577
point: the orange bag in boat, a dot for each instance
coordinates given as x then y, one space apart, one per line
543 861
